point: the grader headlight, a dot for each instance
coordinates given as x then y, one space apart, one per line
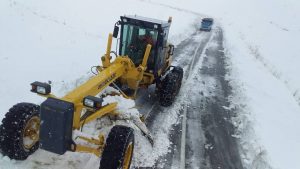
92 102
40 88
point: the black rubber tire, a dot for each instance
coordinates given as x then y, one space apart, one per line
11 131
170 87
115 147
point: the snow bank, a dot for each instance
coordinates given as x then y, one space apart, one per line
268 113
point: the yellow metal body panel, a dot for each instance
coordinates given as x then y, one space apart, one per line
146 55
147 80
106 59
121 68
100 113
98 142
96 84
92 87
86 149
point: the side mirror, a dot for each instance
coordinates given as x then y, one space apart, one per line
116 31
171 49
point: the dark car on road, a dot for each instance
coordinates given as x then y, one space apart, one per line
206 24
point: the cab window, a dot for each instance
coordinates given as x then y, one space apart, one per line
134 42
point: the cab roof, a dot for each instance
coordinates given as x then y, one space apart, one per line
208 19
144 21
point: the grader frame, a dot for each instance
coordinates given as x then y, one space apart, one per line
122 67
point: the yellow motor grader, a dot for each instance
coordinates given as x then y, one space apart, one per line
143 58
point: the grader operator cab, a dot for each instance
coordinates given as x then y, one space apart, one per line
136 33
143 58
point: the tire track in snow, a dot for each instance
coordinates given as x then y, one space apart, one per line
183 139
294 91
273 70
221 149
21 8
196 60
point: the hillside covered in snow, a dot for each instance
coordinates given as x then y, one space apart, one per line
59 41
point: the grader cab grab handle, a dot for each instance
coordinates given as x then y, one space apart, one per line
106 58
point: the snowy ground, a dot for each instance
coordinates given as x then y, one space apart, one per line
60 41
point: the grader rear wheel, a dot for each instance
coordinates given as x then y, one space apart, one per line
170 86
19 132
118 149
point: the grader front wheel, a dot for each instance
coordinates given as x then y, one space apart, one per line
19 131
118 149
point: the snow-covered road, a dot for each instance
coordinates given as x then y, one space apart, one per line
204 136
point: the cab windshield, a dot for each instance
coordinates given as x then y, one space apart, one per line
206 23
134 43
